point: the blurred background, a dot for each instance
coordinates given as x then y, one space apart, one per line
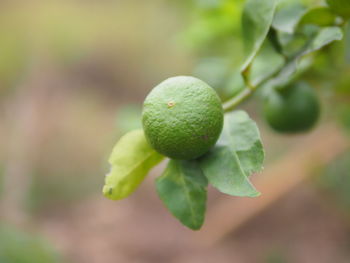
73 76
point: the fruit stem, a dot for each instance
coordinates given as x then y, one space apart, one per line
249 88
239 98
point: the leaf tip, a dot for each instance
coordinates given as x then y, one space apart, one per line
193 226
108 192
255 194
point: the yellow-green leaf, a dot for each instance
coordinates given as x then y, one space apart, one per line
132 158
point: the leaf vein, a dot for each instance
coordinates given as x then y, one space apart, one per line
188 197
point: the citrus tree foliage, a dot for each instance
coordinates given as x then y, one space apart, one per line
281 39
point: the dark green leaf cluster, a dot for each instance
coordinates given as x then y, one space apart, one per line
280 53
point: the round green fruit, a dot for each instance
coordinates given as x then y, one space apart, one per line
293 109
340 7
182 117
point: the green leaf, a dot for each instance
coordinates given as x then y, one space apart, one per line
288 16
259 71
347 44
182 188
291 43
238 154
320 16
132 158
323 37
340 7
273 38
256 21
234 84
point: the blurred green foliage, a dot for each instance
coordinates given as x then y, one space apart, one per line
128 118
59 189
334 181
217 41
1 179
214 25
13 59
73 33
344 117
17 246
276 255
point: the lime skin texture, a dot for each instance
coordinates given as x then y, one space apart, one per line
292 110
340 7
182 117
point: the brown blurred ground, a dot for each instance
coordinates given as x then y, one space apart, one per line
298 228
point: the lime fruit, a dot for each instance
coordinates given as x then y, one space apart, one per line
340 7
293 109
182 117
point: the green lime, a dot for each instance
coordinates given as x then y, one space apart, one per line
293 109
182 117
340 7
